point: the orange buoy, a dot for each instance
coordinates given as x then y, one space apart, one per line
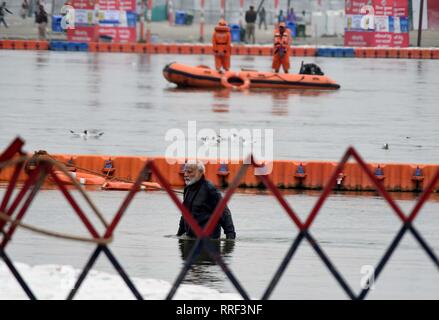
234 80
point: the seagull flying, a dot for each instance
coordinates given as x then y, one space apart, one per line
86 134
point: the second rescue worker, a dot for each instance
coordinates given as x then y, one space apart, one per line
282 43
222 47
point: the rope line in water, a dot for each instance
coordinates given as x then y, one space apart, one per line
14 222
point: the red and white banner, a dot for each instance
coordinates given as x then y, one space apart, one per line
433 15
83 34
376 23
125 5
111 18
120 34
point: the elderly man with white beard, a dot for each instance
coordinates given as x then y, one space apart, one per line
201 197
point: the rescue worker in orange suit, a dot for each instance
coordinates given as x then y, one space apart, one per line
282 42
222 47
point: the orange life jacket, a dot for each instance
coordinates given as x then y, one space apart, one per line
221 40
282 40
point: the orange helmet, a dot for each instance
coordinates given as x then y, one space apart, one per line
222 22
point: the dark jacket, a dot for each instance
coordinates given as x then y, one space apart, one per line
201 199
250 16
41 16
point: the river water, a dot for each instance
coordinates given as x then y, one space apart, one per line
46 94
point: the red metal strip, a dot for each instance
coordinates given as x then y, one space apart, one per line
11 187
29 182
12 149
23 209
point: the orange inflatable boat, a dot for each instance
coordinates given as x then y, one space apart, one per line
81 178
122 186
204 77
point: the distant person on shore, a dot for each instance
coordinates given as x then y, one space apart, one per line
42 20
31 8
250 20
24 9
262 18
281 17
222 46
3 11
201 197
292 16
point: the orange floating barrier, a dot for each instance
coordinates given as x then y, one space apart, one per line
42 45
392 53
254 51
240 50
371 53
298 51
426 53
309 52
87 170
381 53
414 54
128 47
403 53
185 49
360 52
207 49
20 45
170 49
266 51
197 49
142 48
161 48
30 45
93 46
104 47
116 47
6 44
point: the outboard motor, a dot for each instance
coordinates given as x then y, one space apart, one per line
311 68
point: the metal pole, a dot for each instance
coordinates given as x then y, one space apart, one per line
148 21
223 9
170 12
142 21
202 21
241 13
421 15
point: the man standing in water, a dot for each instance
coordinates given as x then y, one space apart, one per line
201 197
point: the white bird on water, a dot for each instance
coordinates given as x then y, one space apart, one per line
86 134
